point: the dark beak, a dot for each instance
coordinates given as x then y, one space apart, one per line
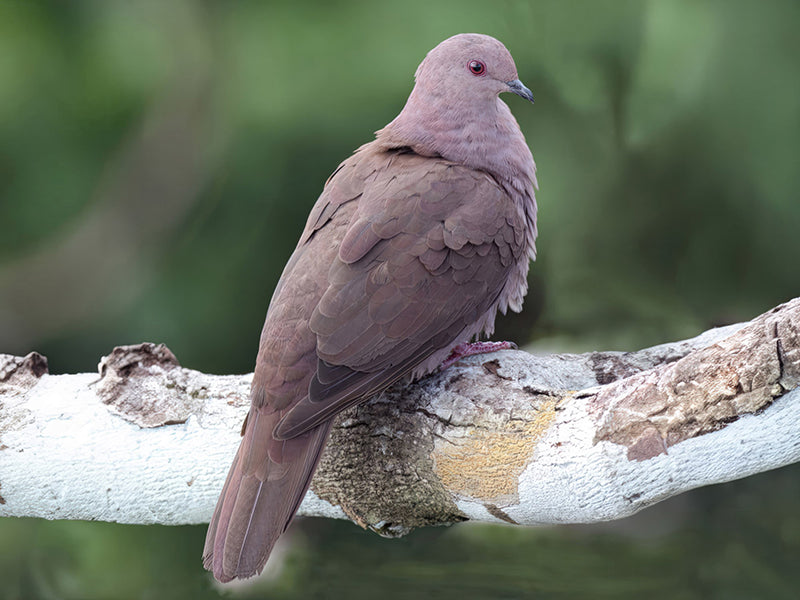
519 89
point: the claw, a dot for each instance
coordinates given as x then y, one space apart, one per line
470 349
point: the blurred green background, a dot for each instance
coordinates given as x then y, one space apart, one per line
157 163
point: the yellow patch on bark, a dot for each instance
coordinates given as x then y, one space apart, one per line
485 464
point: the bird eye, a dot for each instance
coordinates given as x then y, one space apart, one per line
476 67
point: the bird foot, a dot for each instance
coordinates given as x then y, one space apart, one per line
470 349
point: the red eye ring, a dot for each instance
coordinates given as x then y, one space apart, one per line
476 67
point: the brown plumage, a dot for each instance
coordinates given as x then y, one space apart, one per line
416 242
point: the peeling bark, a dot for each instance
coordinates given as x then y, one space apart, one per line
703 391
506 437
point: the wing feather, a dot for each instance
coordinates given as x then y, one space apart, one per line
419 265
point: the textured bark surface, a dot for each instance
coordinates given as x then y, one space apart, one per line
508 436
705 390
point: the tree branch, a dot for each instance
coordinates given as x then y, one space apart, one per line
503 437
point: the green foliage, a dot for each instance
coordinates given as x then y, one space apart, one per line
158 160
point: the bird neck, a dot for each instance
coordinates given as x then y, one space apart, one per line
482 136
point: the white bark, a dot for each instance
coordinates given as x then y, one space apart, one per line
507 436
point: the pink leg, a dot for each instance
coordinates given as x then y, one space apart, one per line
469 349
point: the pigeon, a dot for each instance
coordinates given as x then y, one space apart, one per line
416 242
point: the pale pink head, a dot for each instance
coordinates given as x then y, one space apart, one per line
469 63
454 112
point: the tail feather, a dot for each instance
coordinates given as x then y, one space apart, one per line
264 488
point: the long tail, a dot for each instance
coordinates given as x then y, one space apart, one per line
264 489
